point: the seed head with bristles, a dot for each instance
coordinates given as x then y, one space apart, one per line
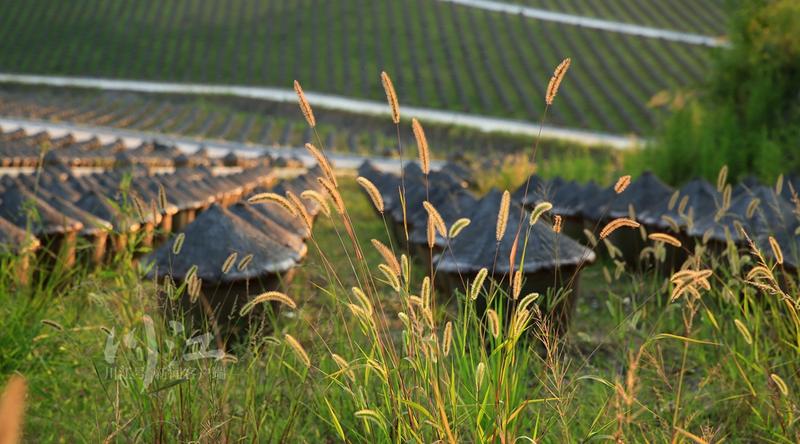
437 218
391 97
557 223
275 198
617 223
270 296
555 81
538 210
502 215
322 161
298 349
666 238
494 322
776 250
318 198
431 232
12 407
372 191
300 210
457 226
622 184
422 146
226 267
447 338
330 188
388 256
305 107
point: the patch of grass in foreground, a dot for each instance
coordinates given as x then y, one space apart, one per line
720 362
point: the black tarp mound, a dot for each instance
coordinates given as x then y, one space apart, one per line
551 260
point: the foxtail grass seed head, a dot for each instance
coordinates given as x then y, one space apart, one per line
776 250
301 210
557 223
363 300
780 383
673 200
480 370
388 256
162 197
245 262
502 215
538 210
177 244
425 292
447 338
617 223
298 349
12 408
52 324
340 362
431 232
405 267
666 238
270 296
683 204
556 79
274 198
438 222
319 199
194 284
622 184
391 96
422 146
752 207
517 285
333 193
527 301
722 177
391 278
228 264
726 197
323 162
779 185
138 206
743 331
305 107
477 284
494 322
372 191
457 226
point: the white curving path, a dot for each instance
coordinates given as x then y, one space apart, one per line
133 138
593 23
320 100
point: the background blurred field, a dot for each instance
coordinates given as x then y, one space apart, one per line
439 54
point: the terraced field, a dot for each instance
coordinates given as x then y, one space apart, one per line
263 123
696 16
440 54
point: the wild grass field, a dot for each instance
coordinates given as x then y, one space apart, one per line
674 337
364 351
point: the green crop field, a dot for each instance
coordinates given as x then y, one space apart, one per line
439 54
696 16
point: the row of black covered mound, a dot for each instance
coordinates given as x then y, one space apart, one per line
57 208
695 213
20 149
549 262
238 251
